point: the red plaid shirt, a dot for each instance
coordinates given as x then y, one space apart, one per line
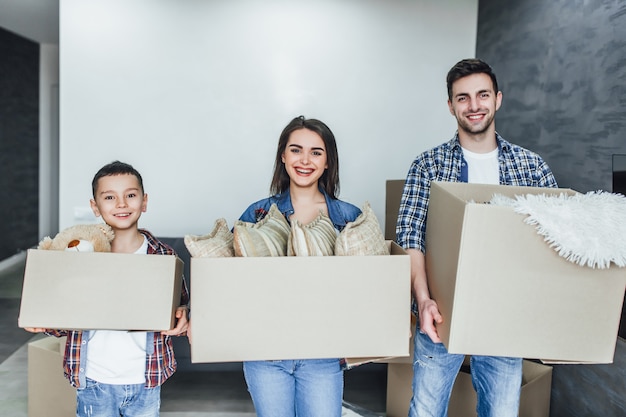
160 361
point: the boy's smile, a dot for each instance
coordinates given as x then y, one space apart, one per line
119 200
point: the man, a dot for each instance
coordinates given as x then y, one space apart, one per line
476 154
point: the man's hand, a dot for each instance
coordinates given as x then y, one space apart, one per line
427 309
429 316
182 324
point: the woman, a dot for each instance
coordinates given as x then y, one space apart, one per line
305 182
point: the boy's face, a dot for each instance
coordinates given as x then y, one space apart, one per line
119 200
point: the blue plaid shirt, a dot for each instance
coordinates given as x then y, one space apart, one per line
518 166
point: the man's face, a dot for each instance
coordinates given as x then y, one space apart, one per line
474 103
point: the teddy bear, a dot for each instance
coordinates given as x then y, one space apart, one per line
81 238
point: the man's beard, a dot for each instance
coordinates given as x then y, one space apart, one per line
475 129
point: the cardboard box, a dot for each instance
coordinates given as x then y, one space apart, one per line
300 307
49 393
393 192
116 291
504 292
354 362
534 397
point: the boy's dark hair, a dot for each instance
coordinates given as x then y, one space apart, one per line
329 181
115 168
467 67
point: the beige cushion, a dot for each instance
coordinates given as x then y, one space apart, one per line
363 236
314 239
267 237
218 243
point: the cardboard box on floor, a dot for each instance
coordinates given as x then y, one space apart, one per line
300 307
504 292
116 291
393 193
49 393
534 397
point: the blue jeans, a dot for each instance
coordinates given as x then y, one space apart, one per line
289 388
106 400
497 381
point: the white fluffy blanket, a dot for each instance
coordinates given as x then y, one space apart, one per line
587 229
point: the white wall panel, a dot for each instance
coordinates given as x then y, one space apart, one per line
194 94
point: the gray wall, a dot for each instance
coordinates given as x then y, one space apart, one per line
19 143
561 66
590 390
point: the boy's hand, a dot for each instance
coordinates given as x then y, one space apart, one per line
182 324
34 329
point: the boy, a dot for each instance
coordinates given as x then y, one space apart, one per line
119 372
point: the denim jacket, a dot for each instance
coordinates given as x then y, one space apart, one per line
339 212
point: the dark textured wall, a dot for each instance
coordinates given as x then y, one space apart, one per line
590 390
19 143
561 66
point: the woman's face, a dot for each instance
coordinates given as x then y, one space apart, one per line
305 158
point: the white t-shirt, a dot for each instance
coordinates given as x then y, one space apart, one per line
482 168
118 357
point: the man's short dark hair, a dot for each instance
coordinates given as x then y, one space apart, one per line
467 67
115 168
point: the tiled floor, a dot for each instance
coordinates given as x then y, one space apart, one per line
194 391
